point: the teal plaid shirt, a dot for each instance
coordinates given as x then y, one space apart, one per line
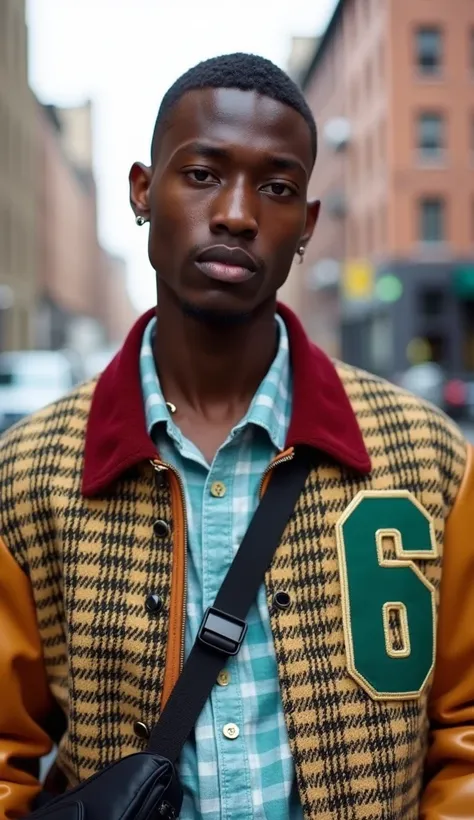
237 763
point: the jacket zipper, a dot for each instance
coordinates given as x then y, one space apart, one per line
159 466
272 465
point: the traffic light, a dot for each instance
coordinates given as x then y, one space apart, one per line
388 288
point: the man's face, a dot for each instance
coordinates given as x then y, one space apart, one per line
226 199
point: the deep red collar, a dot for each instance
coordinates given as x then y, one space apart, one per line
117 438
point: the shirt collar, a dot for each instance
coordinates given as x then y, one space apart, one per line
322 415
270 408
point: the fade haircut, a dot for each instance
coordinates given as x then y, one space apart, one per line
247 72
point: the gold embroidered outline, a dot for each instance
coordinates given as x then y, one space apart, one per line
404 559
399 607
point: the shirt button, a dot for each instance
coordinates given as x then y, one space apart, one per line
223 678
218 489
231 731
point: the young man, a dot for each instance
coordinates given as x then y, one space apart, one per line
123 504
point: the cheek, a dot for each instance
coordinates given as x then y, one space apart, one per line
283 224
176 215
282 244
165 212
283 264
168 227
284 237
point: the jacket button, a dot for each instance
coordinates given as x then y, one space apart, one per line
161 529
282 599
141 730
153 604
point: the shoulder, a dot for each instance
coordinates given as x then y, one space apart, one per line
402 428
371 394
58 425
37 454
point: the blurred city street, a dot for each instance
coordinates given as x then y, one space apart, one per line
468 430
387 282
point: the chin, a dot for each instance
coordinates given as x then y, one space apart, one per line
223 316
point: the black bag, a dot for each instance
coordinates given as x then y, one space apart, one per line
144 786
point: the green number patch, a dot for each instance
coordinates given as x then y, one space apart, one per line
378 592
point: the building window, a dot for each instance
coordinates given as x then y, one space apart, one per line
370 247
353 98
356 165
361 16
432 220
430 136
381 63
437 347
368 78
353 239
429 50
432 302
382 340
369 155
382 142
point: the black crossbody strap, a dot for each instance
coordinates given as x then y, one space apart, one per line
223 628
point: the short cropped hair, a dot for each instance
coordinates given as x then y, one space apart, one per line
247 72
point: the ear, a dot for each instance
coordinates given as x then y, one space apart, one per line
312 214
140 179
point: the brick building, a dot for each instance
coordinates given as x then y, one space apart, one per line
83 298
18 168
118 312
391 84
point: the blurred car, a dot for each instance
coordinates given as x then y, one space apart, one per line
426 380
459 397
31 379
454 393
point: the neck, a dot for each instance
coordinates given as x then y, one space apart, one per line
206 364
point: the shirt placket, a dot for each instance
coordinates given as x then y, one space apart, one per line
226 704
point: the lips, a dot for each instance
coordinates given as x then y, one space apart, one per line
233 265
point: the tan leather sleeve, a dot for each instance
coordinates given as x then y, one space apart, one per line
24 696
449 793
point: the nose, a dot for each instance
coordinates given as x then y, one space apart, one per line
235 211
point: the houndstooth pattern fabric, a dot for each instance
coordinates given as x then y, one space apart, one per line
90 565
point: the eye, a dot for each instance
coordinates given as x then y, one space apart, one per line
279 189
200 175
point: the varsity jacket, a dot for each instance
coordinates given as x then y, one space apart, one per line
375 652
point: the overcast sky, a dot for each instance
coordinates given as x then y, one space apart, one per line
124 54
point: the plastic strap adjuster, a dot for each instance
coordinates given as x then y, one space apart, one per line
222 632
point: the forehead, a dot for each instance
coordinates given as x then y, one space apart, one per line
235 118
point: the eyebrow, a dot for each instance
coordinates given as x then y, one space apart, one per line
286 164
203 149
279 163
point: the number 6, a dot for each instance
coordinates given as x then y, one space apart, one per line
373 586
